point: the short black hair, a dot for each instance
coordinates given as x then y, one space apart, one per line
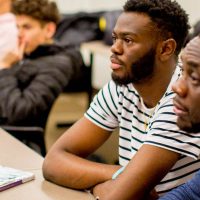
168 16
41 10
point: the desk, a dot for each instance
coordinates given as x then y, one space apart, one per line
101 72
15 154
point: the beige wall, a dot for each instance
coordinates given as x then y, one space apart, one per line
89 5
191 6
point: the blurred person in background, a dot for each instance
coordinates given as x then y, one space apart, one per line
8 30
33 77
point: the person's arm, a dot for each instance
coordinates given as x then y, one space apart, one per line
142 174
65 163
29 90
12 57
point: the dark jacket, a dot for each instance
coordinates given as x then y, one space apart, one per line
30 87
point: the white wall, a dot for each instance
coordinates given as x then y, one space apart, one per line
192 7
88 5
69 6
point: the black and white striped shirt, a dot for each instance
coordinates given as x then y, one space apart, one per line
121 106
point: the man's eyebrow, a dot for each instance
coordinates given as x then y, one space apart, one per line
193 64
125 33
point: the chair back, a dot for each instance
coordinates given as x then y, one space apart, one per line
28 135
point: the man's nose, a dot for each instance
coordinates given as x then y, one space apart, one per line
180 87
20 31
117 47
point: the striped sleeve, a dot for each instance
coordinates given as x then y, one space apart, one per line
103 109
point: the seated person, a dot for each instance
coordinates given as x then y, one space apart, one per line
8 29
32 78
187 108
153 151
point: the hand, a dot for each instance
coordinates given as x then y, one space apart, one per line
13 57
103 190
153 195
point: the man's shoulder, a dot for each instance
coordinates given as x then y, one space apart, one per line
120 87
178 70
176 75
46 50
119 92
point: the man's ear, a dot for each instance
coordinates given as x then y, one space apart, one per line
167 49
50 30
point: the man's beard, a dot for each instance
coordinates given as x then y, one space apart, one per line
140 70
190 128
194 129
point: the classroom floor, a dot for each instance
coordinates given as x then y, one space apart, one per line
70 107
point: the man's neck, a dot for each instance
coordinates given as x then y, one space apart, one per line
154 88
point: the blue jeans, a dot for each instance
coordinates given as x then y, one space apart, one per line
188 191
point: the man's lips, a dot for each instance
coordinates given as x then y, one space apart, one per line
115 63
179 109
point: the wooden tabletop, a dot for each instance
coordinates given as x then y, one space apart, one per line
15 154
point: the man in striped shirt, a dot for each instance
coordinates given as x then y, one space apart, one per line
187 108
153 151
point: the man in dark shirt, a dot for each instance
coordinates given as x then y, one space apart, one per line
32 78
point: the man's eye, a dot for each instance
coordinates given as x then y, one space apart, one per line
113 38
195 80
27 27
127 40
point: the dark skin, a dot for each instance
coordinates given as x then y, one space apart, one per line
150 164
136 43
187 107
187 89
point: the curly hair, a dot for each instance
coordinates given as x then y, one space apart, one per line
168 17
41 10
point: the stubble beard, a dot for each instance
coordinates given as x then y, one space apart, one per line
141 70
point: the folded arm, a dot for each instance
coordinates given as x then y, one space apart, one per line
29 89
141 175
65 163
